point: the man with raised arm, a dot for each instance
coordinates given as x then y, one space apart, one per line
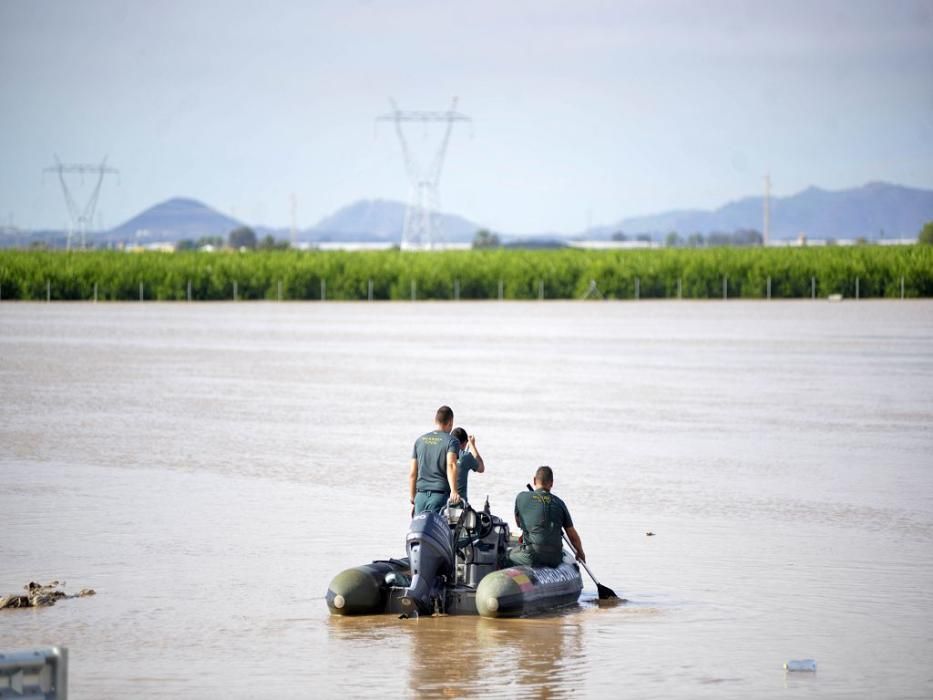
543 517
470 460
432 480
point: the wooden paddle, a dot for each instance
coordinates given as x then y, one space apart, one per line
604 591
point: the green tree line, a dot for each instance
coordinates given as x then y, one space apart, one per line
876 271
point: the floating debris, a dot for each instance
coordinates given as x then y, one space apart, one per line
38 595
649 534
806 665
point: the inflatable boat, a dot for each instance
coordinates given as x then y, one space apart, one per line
457 564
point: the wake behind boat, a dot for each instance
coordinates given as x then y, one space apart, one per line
456 565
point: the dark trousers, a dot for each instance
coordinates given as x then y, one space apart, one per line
433 501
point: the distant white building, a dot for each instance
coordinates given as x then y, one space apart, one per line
613 245
345 245
373 245
896 241
160 247
803 241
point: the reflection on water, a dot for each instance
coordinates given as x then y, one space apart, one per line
546 656
536 655
468 656
209 468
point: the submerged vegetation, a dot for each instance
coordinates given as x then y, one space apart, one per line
864 271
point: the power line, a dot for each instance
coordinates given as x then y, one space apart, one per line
767 210
293 228
80 218
422 227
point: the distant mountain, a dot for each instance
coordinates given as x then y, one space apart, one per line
381 220
865 211
366 220
172 220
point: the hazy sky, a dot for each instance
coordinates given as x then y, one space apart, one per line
583 111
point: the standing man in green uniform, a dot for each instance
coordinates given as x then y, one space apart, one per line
433 476
470 460
542 516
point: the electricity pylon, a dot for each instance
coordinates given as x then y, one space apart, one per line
422 217
80 219
766 234
293 229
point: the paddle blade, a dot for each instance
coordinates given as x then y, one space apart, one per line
605 592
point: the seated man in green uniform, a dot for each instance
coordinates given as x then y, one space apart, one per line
433 476
542 516
470 460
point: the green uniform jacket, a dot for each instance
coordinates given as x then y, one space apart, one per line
431 452
543 518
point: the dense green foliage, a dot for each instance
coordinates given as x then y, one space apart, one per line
926 234
242 237
485 239
476 274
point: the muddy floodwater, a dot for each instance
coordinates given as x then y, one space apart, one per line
208 468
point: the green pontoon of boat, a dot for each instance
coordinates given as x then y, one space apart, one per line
457 564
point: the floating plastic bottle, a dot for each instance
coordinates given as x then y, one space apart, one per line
800 665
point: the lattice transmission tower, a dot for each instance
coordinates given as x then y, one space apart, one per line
766 234
79 218
422 217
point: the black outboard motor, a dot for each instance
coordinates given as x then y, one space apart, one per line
432 557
